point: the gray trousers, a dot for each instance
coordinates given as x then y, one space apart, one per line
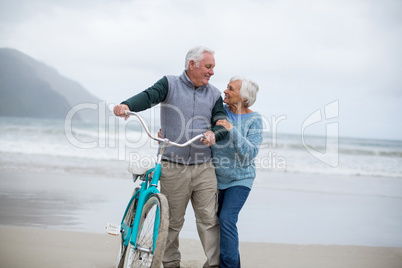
181 183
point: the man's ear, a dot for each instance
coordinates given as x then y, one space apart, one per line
191 65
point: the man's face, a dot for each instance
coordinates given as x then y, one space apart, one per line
200 76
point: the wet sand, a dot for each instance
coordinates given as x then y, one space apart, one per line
57 220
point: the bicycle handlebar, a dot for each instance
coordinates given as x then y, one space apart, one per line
160 139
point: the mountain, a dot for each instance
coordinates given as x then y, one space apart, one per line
29 88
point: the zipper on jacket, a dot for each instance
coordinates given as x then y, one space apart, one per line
192 124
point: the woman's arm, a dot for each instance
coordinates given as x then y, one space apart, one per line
247 147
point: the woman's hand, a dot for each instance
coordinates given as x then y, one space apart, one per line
224 123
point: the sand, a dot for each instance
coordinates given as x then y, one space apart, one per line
34 247
57 220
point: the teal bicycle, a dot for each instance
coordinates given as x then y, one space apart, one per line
145 223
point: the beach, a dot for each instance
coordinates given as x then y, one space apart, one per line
57 193
34 247
57 220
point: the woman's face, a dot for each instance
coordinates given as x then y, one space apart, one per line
232 93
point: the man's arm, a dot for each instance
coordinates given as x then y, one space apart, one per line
144 100
149 97
218 112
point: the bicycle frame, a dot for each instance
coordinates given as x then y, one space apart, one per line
147 189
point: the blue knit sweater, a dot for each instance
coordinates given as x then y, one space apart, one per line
234 155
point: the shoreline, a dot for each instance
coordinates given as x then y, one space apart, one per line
47 248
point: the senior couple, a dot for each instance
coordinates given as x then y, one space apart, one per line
218 191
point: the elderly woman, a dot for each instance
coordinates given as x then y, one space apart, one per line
234 162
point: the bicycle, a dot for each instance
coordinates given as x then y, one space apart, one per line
145 223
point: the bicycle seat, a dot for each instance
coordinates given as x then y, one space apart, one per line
138 168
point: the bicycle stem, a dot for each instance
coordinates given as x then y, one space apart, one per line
162 150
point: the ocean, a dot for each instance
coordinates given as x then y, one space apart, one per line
311 189
38 141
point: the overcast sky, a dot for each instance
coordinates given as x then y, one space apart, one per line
304 55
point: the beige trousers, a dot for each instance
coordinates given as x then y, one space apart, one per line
181 183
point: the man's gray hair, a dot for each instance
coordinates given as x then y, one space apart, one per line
248 89
196 54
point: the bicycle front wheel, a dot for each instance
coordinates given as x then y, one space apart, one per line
152 234
128 220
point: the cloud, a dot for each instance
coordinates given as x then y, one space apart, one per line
303 54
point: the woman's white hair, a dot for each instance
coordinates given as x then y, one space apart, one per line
248 89
196 54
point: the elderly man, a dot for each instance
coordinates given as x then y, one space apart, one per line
190 106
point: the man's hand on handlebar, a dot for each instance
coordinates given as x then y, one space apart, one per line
119 110
209 139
